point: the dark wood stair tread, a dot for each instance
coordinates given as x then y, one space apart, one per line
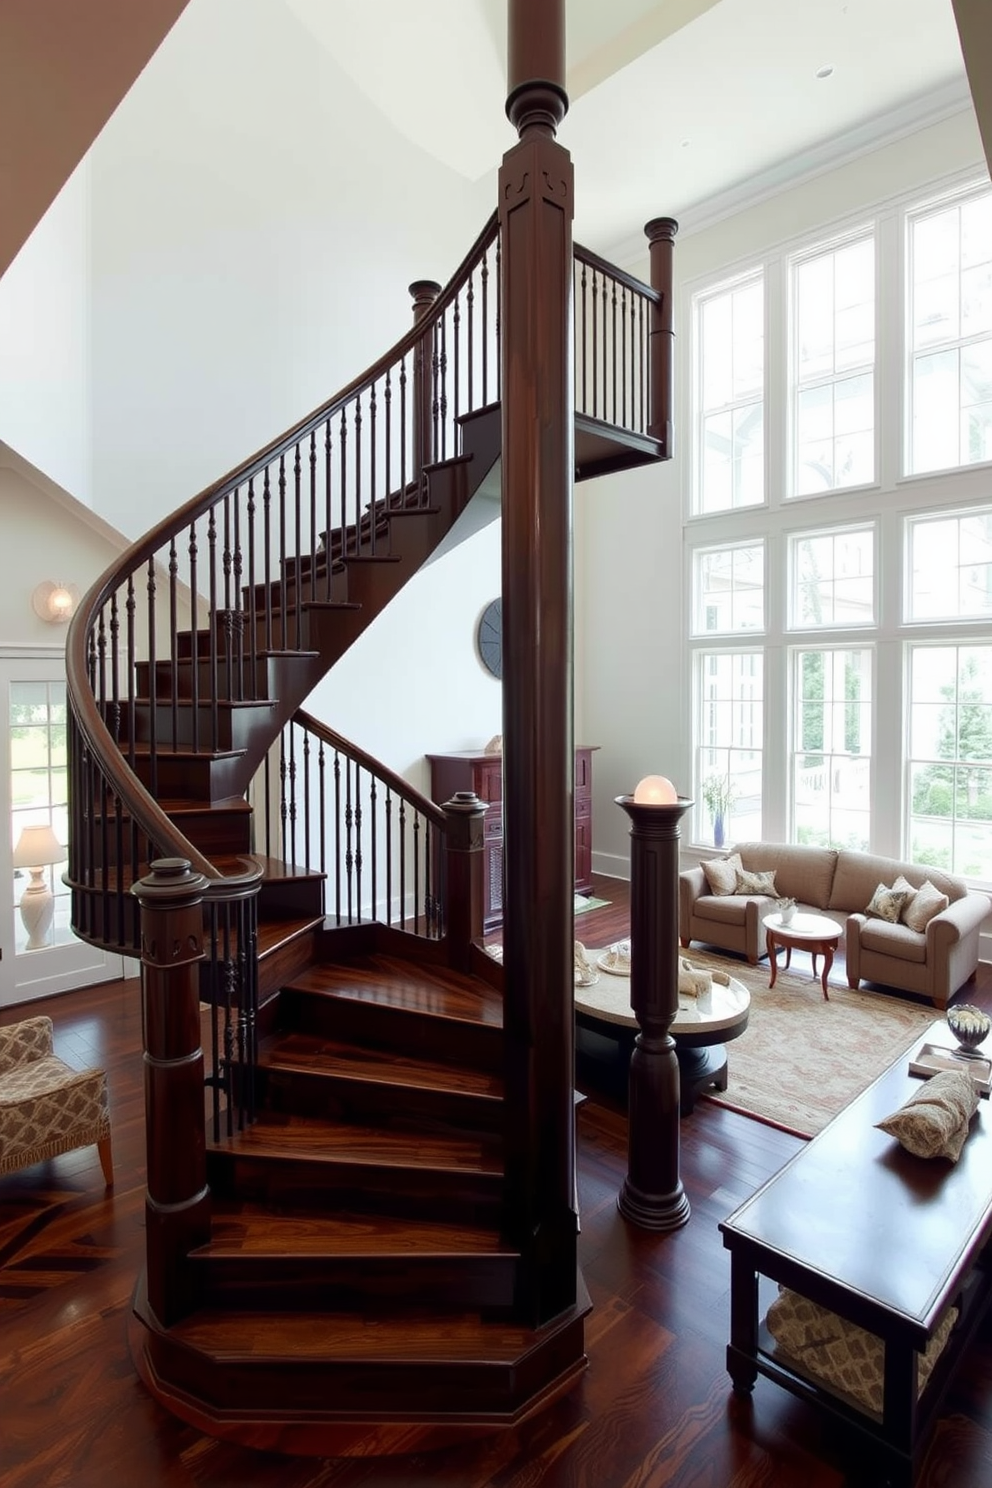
430 990
280 1137
312 1054
251 1230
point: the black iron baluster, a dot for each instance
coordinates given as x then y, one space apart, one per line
484 276
499 320
403 430
389 855
214 630
357 460
373 489
416 873
306 800
297 546
349 859
152 718
267 556
387 395
322 818
337 837
402 855
373 847
343 491
280 576
585 357
173 644
313 514
470 347
194 690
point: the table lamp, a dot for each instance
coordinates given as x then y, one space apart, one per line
37 847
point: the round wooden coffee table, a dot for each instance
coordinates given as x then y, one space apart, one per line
701 1027
807 932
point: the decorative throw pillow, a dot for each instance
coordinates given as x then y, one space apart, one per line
755 883
721 873
925 903
887 904
935 1121
902 885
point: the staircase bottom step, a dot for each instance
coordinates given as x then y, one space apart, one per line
330 1385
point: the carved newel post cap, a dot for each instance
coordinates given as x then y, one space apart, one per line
660 228
170 878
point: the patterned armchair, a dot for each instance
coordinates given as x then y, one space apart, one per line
46 1107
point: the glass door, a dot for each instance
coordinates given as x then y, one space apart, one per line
39 954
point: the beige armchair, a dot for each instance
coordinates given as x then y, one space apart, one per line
46 1107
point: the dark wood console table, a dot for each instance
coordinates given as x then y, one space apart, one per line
474 770
884 1239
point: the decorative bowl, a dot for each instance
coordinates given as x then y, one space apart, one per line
970 1026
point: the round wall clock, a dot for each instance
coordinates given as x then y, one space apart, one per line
489 638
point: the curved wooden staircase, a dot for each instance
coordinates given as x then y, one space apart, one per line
337 1262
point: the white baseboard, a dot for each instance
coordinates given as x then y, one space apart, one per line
611 865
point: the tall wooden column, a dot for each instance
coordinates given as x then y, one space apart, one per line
536 208
177 1200
423 292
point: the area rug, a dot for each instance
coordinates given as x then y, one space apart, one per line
801 1060
584 902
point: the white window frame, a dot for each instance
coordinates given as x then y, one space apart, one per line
754 274
865 231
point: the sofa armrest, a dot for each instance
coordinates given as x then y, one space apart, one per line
952 945
692 883
958 919
22 1042
852 948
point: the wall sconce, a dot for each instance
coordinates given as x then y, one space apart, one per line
37 847
55 603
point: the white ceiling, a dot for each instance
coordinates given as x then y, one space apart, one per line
672 103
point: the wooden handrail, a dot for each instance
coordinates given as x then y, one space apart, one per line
596 261
388 777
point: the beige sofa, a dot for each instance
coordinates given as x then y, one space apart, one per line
840 884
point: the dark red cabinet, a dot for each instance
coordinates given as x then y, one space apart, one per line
472 770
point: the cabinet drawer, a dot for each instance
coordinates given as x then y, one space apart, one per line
492 822
583 806
489 782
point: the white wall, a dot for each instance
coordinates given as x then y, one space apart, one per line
256 223
46 536
629 587
413 684
45 343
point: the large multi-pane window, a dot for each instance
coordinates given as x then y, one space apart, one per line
950 567
729 589
860 713
730 688
949 333
832 578
831 758
950 757
833 321
730 329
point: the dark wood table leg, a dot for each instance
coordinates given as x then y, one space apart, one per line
771 946
828 961
743 1347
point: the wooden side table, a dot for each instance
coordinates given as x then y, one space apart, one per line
807 932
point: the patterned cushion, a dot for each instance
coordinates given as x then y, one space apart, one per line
888 904
925 903
935 1121
755 883
840 1354
47 1108
721 873
29 1039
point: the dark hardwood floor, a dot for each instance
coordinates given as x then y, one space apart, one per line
654 1407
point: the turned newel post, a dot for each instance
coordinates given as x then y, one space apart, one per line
424 293
652 1195
464 868
177 1201
660 233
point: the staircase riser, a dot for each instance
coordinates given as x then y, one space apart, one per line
386 1389
202 776
364 1102
451 1196
241 681
233 726
477 1046
365 1284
